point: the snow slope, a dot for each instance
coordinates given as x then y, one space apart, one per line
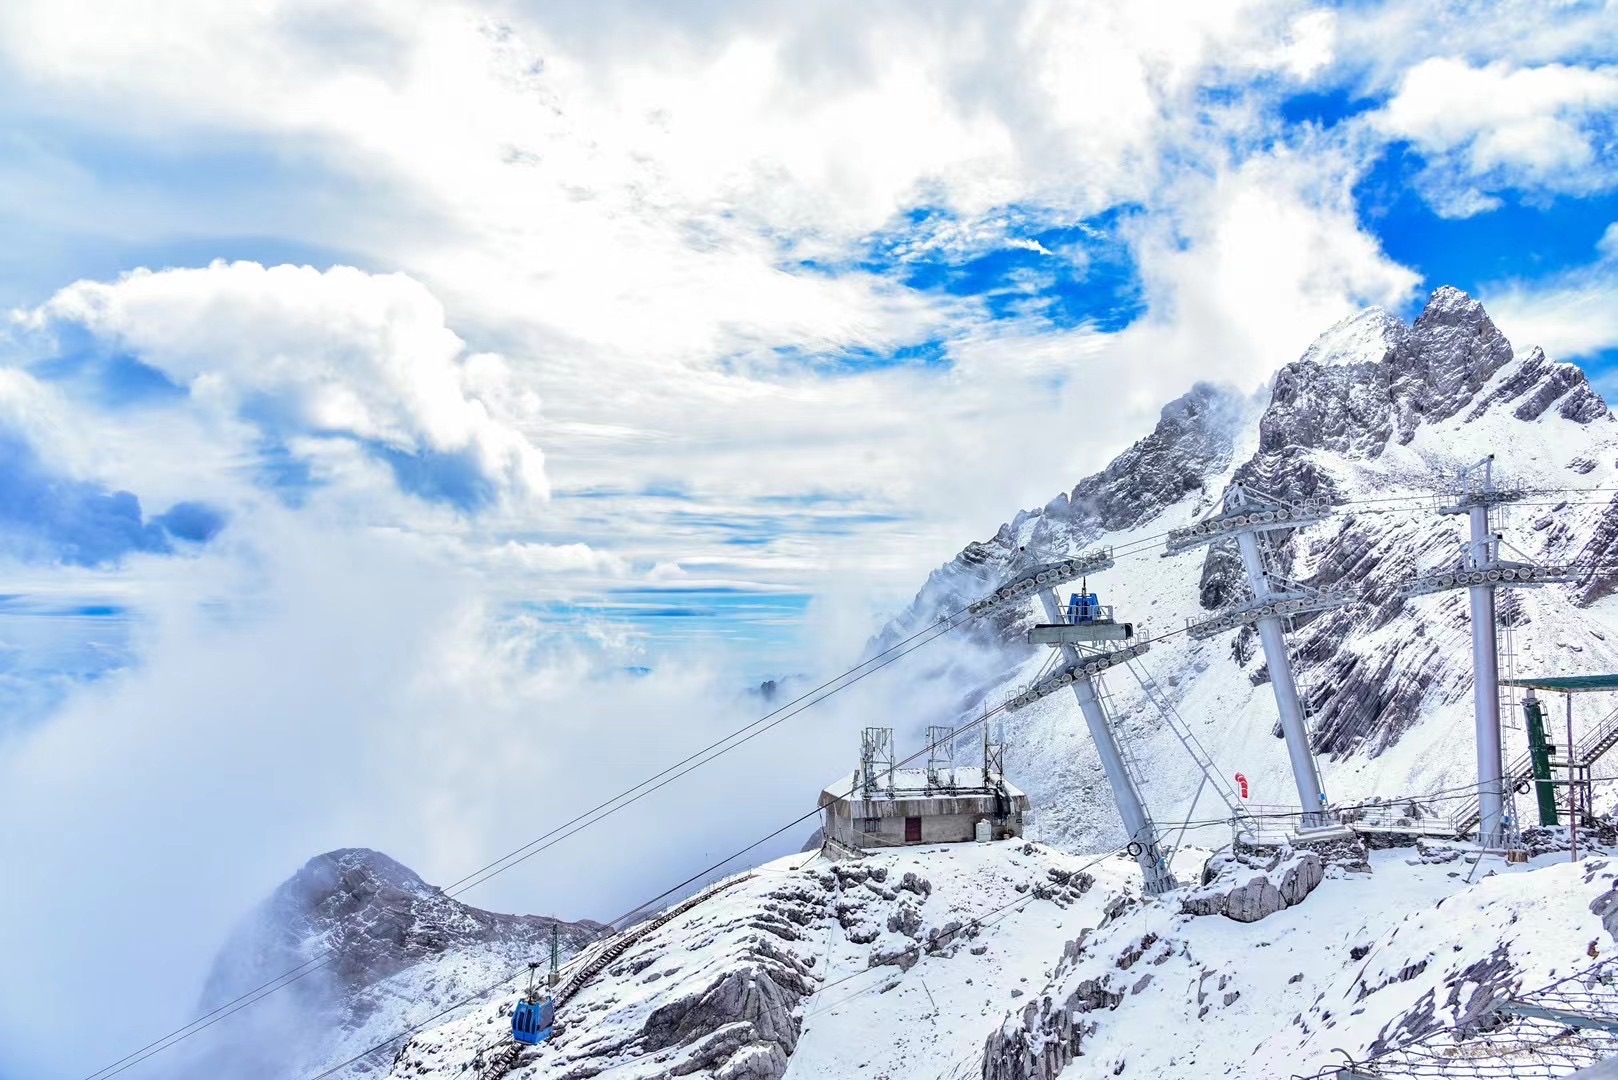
957 961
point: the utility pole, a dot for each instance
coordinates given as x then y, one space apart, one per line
556 975
1244 515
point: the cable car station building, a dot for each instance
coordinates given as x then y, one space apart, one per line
880 806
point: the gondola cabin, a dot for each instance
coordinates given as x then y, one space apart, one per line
1083 608
532 1020
1085 621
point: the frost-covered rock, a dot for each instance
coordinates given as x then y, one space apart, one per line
1249 883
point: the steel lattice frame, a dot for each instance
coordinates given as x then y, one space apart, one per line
1048 575
1092 664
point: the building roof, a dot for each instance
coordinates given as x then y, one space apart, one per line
911 785
1568 684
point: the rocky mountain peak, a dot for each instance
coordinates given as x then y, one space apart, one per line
1452 350
1366 337
375 917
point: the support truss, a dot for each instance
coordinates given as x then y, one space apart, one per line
1091 664
1046 576
1503 574
1296 601
1262 513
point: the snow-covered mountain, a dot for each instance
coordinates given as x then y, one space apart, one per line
1013 961
1023 960
1376 415
371 939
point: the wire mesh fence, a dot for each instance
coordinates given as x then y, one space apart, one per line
1546 1033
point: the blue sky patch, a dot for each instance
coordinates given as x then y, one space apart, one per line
1325 108
1069 275
1519 240
48 517
112 381
456 478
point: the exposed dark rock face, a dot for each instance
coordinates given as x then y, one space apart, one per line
1598 559
1193 440
376 918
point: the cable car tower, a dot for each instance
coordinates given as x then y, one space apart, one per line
1091 641
1248 516
1481 571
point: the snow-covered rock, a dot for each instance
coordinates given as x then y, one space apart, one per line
1365 962
371 938
811 968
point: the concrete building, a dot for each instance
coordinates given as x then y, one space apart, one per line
920 806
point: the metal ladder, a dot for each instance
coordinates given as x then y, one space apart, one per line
1159 700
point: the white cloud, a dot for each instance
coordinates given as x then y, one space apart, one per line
307 356
1491 127
1608 244
1572 314
1380 41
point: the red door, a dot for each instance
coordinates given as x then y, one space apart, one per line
912 830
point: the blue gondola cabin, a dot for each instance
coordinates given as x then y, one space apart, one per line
532 1021
1083 608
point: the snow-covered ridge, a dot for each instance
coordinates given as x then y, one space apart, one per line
1375 409
1005 960
377 938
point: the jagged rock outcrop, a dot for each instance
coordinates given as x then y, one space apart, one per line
1247 883
375 917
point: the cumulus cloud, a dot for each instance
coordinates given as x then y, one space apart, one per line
307 356
1572 314
1492 127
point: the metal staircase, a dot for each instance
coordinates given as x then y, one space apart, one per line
1594 745
1598 741
1160 701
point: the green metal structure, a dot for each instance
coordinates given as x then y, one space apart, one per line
1540 751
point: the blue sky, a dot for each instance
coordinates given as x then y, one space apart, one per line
393 382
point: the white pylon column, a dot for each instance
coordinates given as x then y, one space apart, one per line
1486 684
1481 572
1244 514
1288 702
1138 825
